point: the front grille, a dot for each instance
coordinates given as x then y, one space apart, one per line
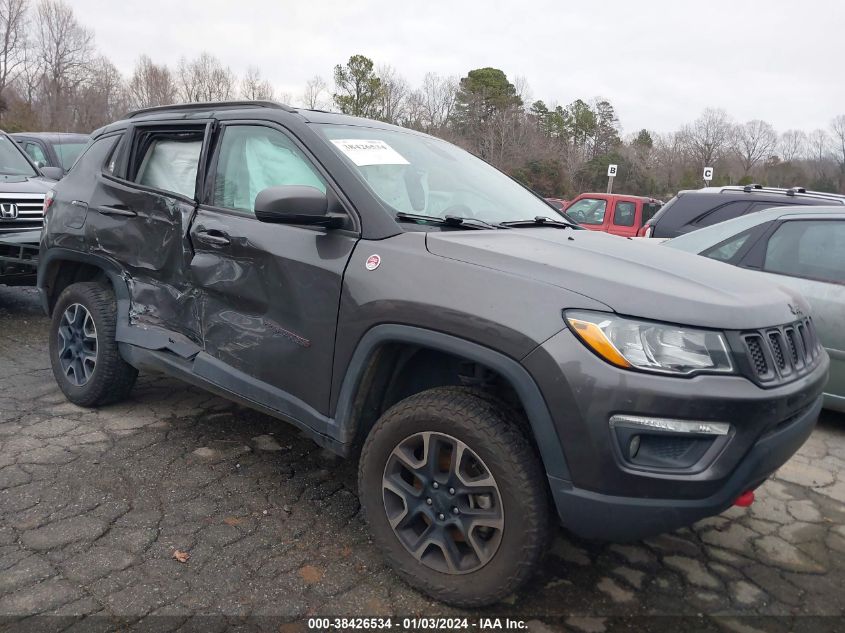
781 353
774 343
793 348
758 359
29 212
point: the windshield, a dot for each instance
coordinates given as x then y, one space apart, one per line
426 176
68 152
12 160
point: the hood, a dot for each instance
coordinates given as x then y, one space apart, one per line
633 278
25 184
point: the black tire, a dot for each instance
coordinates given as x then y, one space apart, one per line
489 429
111 378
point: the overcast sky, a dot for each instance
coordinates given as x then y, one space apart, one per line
659 62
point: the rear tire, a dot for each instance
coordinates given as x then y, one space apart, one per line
83 351
468 535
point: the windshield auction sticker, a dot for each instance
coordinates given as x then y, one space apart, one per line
365 152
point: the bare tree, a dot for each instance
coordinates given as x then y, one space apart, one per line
64 55
254 87
431 106
12 42
315 96
205 79
708 137
393 95
151 84
103 96
818 146
792 145
837 126
818 154
754 141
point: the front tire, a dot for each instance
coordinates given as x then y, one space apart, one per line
83 351
454 495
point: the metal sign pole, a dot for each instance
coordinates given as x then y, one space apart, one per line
610 184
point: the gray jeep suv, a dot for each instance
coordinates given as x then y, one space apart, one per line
403 302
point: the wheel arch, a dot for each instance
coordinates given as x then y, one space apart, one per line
367 361
58 268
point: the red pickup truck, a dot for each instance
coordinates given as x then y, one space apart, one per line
612 213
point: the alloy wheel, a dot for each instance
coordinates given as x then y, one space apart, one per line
443 503
77 344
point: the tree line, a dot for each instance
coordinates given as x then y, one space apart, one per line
53 78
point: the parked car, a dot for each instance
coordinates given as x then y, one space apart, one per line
22 190
799 247
52 149
700 208
612 213
402 301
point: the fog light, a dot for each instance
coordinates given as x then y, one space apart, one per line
634 447
671 425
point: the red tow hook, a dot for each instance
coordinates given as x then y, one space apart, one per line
745 499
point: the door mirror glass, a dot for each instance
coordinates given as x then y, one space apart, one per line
294 204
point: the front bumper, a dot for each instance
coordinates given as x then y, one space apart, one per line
610 497
614 518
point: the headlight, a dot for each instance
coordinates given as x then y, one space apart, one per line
651 346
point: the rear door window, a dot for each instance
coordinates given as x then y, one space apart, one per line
812 249
167 159
588 211
625 213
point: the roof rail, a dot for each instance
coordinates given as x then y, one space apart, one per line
210 105
793 190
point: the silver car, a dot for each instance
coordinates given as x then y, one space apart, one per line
799 247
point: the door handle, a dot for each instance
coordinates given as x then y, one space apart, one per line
121 210
214 237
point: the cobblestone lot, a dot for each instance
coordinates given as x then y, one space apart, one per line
94 503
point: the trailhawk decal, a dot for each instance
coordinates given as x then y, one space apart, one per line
366 152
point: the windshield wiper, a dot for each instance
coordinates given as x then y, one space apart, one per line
538 221
449 220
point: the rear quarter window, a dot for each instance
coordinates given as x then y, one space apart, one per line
96 155
724 212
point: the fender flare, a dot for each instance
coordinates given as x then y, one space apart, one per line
112 270
542 426
146 336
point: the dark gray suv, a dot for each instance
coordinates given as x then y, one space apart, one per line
403 302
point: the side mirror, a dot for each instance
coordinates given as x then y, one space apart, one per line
54 173
295 204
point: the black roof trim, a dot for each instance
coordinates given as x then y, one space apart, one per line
210 105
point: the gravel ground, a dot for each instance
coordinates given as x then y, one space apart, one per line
94 503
